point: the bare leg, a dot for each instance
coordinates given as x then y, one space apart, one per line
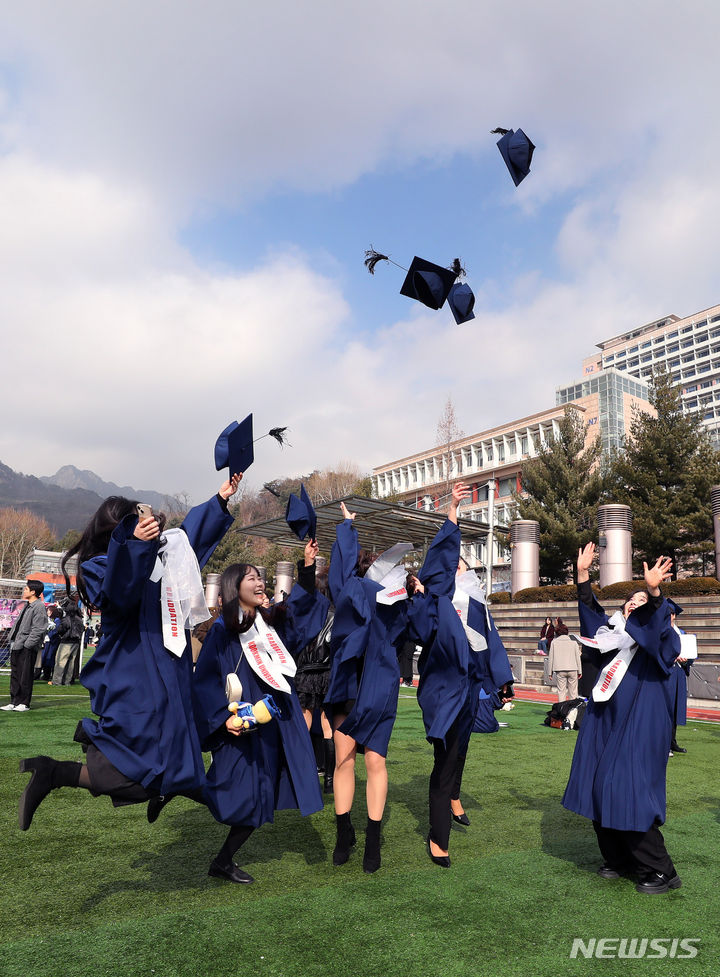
377 784
344 780
307 716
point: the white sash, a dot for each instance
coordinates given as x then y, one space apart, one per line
391 576
461 603
267 655
611 637
182 598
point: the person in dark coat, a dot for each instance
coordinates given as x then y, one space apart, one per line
362 694
26 639
462 651
144 742
617 779
272 766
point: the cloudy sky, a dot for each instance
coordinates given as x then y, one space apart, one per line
187 190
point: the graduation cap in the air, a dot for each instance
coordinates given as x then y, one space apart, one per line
428 283
517 151
234 446
461 301
301 516
425 281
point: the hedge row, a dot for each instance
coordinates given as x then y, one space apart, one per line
689 587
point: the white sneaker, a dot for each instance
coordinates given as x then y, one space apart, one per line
8 708
22 707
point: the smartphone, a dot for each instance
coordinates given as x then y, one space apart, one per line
144 510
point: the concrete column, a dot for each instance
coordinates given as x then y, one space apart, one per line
212 589
524 554
715 500
284 578
614 543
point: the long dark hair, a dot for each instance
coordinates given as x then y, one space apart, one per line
230 581
365 560
96 538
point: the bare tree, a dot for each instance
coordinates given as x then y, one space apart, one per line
448 431
21 531
344 479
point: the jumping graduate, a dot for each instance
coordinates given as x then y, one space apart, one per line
618 771
272 766
369 596
149 591
462 652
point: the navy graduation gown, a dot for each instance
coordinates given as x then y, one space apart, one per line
451 672
363 646
618 770
272 767
139 690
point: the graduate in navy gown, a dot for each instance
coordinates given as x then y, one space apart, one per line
462 651
678 686
272 766
618 771
364 679
148 589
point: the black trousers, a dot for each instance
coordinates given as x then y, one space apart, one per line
643 851
22 667
443 779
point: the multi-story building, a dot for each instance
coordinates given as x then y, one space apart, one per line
424 480
609 398
689 349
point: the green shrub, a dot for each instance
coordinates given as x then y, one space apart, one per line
690 586
543 595
501 597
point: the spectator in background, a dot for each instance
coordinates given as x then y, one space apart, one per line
564 663
51 644
560 628
547 633
26 639
71 630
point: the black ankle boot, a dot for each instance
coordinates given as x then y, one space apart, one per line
329 745
345 839
371 858
47 775
155 806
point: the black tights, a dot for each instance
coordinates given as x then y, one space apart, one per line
237 836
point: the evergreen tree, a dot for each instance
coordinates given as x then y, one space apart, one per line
561 489
664 474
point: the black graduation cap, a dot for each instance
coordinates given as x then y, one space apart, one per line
301 516
234 447
428 283
517 151
461 301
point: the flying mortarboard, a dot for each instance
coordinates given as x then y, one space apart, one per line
461 301
301 516
234 446
428 283
517 151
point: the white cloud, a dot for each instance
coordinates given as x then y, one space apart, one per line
126 355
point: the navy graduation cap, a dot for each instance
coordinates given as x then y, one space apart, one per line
234 446
461 301
428 283
517 151
301 516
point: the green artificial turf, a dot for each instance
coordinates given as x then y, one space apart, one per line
93 890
